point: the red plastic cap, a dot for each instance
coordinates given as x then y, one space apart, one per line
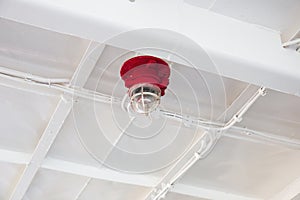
146 69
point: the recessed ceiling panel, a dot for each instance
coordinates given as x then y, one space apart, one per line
246 168
68 146
52 185
24 116
37 51
102 133
9 175
276 113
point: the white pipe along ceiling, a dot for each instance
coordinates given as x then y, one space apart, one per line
149 100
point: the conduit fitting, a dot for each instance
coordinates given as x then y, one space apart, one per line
208 141
197 155
163 192
146 78
237 118
262 91
291 43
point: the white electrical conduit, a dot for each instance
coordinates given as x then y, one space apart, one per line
215 129
207 125
63 85
87 94
264 138
168 186
13 74
214 134
292 42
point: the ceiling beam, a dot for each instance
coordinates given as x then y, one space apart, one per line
243 51
23 158
102 173
106 174
99 172
237 133
208 193
55 123
204 144
14 157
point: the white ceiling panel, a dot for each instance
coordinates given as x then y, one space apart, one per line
52 185
104 190
97 133
24 115
68 146
246 168
274 14
9 175
37 51
97 136
275 113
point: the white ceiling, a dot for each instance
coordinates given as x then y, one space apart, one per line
9 174
69 187
20 131
274 14
57 58
240 49
279 15
242 166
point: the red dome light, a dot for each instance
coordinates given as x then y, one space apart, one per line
147 78
146 69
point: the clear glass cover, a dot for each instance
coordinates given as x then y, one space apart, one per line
144 98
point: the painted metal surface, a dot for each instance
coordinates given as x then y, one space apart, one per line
256 160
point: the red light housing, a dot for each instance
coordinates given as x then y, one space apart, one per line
146 69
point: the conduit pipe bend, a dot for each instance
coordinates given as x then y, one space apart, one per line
208 141
292 42
62 84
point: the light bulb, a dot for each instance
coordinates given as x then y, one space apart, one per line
144 98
